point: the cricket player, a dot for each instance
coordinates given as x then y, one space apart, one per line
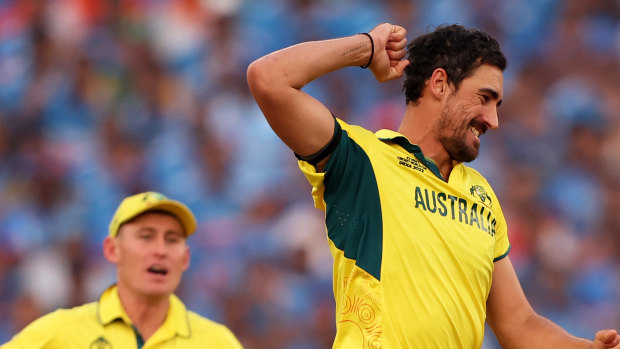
147 242
418 238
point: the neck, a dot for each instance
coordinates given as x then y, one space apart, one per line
146 313
420 126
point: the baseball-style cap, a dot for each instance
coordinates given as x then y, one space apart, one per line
134 205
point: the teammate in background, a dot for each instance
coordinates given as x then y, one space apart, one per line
418 238
148 243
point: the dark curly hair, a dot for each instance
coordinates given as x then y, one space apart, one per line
457 49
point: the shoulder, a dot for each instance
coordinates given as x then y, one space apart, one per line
59 319
476 177
355 131
476 184
52 327
472 172
356 141
215 332
201 323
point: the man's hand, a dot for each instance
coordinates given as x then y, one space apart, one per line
606 339
390 48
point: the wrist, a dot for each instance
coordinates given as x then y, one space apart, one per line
357 50
372 50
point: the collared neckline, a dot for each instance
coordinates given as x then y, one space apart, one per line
398 138
110 309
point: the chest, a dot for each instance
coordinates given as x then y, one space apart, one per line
427 221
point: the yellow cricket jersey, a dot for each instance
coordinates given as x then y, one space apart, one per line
413 254
105 325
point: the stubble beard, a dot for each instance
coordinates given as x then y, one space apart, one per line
453 129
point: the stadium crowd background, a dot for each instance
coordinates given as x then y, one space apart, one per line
102 99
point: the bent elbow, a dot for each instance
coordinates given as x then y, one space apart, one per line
258 78
252 74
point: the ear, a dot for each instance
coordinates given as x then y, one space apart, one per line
110 250
438 83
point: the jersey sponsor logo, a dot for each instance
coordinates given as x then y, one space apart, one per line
100 343
479 192
456 208
410 162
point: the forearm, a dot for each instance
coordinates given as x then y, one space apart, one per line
515 323
538 332
297 65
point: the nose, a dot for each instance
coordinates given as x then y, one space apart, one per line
490 117
160 247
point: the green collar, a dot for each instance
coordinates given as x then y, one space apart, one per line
393 136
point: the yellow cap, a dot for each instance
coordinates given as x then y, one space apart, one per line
134 205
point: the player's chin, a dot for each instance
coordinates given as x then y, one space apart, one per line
466 153
159 291
159 287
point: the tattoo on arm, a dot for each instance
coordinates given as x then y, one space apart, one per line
354 49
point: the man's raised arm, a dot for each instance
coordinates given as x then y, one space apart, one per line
276 80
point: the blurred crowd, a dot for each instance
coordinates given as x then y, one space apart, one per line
100 99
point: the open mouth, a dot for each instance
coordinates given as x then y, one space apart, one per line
477 128
156 269
475 131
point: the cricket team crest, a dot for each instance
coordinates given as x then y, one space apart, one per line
479 192
100 343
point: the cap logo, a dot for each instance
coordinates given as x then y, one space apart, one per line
153 197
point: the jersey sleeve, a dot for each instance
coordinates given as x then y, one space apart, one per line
316 181
502 243
226 339
215 334
335 165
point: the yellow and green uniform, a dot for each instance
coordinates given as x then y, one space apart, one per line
413 254
105 325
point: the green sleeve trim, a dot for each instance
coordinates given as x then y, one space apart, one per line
504 255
